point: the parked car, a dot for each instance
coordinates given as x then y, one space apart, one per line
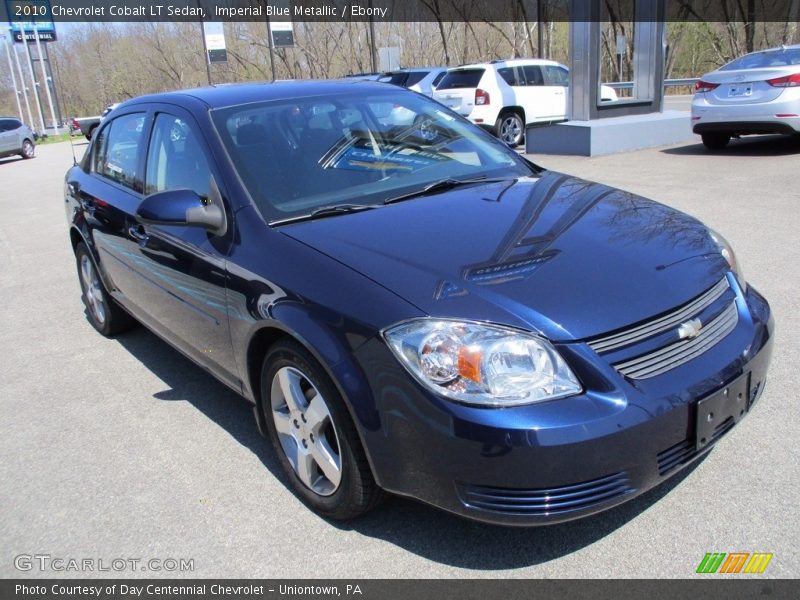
88 125
423 80
362 77
74 126
416 309
756 93
16 138
504 96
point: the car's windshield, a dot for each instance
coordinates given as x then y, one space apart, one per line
769 58
297 156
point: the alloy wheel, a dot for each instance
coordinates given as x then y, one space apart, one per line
27 149
306 431
510 130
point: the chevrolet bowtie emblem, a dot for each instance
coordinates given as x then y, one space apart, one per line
690 329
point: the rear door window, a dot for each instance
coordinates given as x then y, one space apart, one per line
396 78
117 149
415 77
510 75
533 75
438 78
461 78
556 75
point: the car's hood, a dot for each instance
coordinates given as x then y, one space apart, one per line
569 258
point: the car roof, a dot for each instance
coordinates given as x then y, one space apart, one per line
512 62
416 69
231 94
765 50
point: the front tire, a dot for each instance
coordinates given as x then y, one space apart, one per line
28 149
313 435
510 128
715 141
105 315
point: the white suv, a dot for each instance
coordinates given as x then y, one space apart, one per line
504 96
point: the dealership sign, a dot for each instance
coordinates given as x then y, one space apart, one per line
215 42
31 18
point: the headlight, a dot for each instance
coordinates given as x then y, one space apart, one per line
727 253
479 364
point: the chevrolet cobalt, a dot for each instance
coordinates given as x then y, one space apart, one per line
411 307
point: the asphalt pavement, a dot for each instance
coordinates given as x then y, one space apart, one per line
122 449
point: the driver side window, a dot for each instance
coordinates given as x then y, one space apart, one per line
175 159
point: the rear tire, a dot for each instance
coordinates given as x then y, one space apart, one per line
313 435
28 149
105 315
715 141
510 128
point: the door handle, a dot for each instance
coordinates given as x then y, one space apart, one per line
138 234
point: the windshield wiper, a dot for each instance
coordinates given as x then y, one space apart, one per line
339 209
443 185
326 211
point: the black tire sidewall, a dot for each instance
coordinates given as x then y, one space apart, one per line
344 502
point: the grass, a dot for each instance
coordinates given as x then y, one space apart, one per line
53 139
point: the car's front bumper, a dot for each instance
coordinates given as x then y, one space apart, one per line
564 459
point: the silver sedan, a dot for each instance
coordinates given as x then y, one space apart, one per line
16 138
756 93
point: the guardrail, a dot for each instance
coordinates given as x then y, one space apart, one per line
628 85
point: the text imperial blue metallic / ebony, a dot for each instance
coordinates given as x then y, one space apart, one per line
412 307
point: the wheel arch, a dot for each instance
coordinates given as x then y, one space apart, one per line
260 342
76 237
515 108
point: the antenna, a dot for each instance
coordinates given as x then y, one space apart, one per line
72 146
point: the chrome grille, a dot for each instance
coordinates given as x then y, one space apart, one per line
551 501
674 355
651 328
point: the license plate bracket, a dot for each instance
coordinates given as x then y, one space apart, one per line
713 412
452 101
737 91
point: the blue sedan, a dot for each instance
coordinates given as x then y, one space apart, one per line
411 307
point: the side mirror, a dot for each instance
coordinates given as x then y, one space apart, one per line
185 207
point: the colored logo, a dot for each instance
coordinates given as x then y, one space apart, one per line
735 562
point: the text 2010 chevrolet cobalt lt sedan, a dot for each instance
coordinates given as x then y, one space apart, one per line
411 306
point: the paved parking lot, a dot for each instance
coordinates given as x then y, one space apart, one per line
123 449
